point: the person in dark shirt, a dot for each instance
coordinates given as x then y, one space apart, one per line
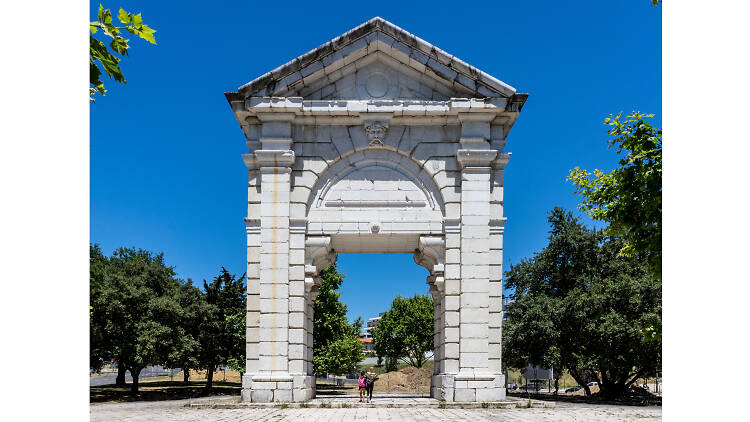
371 377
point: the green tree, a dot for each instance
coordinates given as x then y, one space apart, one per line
226 295
406 330
134 308
581 306
99 348
237 329
186 330
336 346
629 197
98 51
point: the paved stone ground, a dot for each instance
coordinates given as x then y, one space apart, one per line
380 400
175 410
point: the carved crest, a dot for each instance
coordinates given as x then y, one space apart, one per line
376 132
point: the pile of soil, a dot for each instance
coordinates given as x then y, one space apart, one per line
404 381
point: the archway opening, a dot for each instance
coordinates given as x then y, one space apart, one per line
371 283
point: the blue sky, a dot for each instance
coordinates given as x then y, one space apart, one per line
166 167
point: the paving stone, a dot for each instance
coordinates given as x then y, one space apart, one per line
176 410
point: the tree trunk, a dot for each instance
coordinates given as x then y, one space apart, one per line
611 390
186 375
209 378
583 382
134 372
120 380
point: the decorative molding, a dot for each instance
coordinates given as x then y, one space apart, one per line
501 160
452 225
252 225
297 225
497 226
376 131
379 204
274 158
475 157
430 254
318 254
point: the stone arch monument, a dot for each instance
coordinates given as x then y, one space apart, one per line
375 142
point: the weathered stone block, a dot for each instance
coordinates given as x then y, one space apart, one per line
262 396
490 394
280 395
465 395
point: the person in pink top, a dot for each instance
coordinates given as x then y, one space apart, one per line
362 383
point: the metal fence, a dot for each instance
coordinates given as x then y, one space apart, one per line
419 385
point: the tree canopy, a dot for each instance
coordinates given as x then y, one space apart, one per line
186 348
133 309
629 197
226 296
98 51
406 330
336 346
141 315
579 305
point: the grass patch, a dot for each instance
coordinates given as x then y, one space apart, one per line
155 389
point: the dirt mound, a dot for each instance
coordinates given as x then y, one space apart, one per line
405 380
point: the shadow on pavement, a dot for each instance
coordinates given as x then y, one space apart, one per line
162 390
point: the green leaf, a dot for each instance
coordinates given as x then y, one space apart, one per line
107 17
147 34
120 45
98 52
123 16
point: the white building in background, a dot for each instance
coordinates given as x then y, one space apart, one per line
371 323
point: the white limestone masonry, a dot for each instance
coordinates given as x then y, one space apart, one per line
375 142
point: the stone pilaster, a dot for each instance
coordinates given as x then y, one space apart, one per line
497 228
252 320
450 309
475 380
271 379
431 254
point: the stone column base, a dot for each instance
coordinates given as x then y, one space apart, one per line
468 387
264 388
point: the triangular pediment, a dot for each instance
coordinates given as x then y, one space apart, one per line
378 76
376 60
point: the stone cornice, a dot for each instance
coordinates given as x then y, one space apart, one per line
475 157
377 34
298 111
263 158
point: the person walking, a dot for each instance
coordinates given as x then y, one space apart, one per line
371 377
362 383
